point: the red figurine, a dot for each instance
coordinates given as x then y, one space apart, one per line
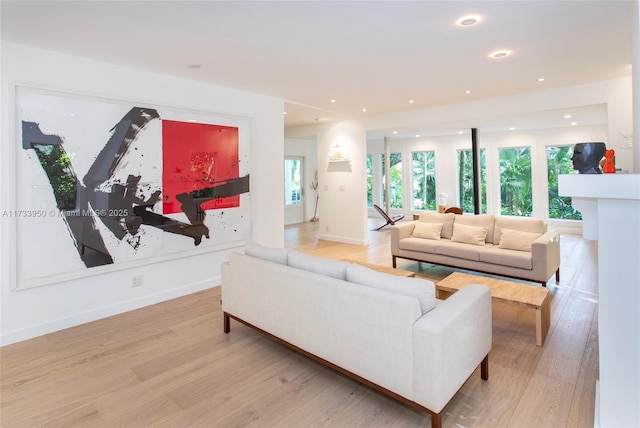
609 167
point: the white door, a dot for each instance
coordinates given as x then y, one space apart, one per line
293 189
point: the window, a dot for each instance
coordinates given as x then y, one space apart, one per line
369 180
423 175
465 181
515 182
292 189
559 162
395 180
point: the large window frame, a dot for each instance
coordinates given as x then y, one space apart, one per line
516 181
395 181
559 162
465 180
423 180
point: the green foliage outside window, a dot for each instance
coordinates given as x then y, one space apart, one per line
559 162
516 197
424 180
369 180
395 180
465 181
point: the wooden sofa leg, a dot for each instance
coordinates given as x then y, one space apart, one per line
393 258
226 321
558 275
484 368
436 420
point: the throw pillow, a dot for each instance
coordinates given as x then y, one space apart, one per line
333 268
422 289
445 219
275 255
427 230
517 240
469 234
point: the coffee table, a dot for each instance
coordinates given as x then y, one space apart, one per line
384 269
505 291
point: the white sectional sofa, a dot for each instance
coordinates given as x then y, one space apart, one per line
508 246
386 331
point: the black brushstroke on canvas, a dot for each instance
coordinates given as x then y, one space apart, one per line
121 210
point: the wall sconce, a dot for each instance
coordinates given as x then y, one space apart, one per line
338 154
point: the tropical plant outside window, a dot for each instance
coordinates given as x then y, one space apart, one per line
395 180
424 180
369 180
465 181
559 162
515 182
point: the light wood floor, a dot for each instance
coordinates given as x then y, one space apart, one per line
170 365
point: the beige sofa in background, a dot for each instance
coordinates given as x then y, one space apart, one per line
514 247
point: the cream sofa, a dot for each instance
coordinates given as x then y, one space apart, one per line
386 331
508 246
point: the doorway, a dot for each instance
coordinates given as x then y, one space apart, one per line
293 189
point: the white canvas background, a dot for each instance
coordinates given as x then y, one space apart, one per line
46 252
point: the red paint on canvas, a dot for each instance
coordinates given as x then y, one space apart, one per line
196 156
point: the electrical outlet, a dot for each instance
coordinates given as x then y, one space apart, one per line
137 280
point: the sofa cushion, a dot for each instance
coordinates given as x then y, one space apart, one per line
419 244
480 220
427 230
517 240
522 224
510 258
275 255
461 251
445 219
422 289
333 268
474 235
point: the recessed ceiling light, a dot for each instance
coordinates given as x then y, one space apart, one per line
417 135
540 79
460 132
468 21
194 66
512 129
395 132
410 101
574 123
333 101
364 109
500 54
285 113
567 116
467 91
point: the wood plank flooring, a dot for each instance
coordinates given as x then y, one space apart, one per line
171 365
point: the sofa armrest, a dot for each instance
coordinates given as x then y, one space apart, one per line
545 252
400 231
450 341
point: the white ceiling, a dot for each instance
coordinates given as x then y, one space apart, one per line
376 55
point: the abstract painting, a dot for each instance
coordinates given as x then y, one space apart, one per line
129 183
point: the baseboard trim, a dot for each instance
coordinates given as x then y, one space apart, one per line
14 336
343 240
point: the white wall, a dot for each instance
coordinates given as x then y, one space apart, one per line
343 196
306 148
31 312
